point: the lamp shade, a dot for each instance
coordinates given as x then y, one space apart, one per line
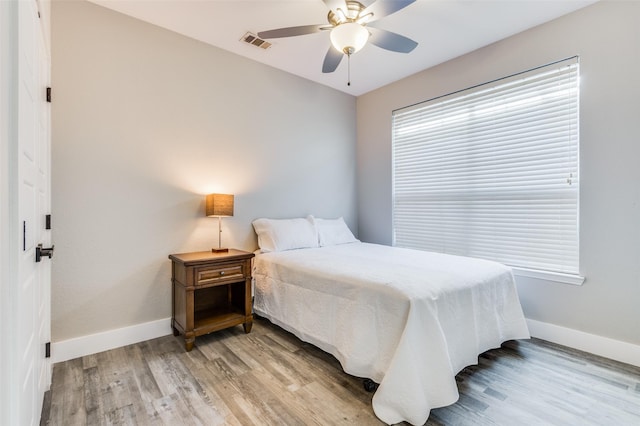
219 205
349 37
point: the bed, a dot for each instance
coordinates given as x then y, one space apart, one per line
409 320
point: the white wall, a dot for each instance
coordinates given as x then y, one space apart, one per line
145 122
606 36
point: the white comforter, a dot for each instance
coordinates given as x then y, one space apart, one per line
410 320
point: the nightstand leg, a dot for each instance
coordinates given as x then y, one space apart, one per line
188 344
189 339
247 326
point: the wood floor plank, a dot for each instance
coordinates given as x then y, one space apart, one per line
147 384
196 398
172 410
93 396
125 416
214 346
334 409
330 374
116 379
67 396
143 383
269 377
196 362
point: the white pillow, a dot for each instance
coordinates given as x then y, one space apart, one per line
285 234
334 231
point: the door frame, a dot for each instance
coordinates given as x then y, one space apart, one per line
9 213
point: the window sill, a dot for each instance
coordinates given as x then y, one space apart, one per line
549 276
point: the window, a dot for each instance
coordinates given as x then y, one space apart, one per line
492 172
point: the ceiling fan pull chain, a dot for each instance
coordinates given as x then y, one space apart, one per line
348 70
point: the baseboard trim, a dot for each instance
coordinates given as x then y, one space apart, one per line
597 345
111 339
94 343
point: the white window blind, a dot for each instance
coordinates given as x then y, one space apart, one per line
492 171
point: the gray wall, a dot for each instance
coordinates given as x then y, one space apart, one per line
145 122
606 36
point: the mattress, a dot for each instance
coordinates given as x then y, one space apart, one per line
409 320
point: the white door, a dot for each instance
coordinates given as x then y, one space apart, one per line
34 278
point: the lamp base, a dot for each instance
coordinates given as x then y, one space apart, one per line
219 250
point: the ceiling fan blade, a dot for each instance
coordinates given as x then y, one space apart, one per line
382 8
391 41
292 31
334 4
331 60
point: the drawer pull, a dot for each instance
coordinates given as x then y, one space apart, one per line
221 272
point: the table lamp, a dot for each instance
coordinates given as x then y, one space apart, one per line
219 205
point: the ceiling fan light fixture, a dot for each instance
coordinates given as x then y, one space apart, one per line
349 37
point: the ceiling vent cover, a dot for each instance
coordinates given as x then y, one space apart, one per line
255 40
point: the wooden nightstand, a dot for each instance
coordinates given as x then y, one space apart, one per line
211 291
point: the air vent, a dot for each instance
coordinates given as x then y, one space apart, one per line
255 40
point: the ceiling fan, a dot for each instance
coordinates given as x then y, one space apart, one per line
352 24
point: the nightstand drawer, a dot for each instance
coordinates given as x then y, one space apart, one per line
211 275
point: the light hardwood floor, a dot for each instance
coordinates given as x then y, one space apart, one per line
269 377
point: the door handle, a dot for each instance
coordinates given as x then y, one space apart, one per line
40 252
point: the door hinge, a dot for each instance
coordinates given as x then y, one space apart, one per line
47 350
47 222
24 235
49 94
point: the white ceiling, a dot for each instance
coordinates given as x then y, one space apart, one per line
444 30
